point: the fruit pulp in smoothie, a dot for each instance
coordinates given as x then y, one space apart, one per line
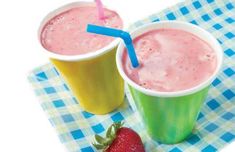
170 60
66 34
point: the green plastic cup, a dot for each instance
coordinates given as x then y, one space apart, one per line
170 117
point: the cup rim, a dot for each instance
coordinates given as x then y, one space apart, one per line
80 57
148 27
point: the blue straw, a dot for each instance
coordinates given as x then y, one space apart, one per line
117 33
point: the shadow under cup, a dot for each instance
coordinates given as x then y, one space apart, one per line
93 77
170 117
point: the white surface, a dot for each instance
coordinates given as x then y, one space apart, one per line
24 127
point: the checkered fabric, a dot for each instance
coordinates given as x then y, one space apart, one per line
215 126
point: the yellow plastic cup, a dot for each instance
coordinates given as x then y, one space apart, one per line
93 77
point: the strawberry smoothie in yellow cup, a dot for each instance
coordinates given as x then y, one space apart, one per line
86 61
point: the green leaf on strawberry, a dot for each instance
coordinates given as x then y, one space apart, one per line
119 139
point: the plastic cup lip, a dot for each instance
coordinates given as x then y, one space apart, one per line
196 30
80 57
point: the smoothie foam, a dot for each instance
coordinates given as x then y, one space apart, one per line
171 60
66 33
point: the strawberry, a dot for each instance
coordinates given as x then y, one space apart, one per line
119 139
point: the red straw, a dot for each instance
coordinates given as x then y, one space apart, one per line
100 9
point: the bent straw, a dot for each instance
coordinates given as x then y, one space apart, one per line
117 33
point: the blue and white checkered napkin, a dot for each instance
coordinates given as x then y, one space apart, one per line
216 124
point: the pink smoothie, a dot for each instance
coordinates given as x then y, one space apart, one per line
66 33
171 60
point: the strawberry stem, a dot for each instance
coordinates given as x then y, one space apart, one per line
103 143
